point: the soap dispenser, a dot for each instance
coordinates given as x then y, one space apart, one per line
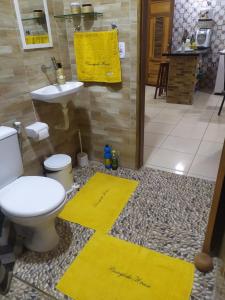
61 79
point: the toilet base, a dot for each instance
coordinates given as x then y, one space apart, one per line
38 232
40 238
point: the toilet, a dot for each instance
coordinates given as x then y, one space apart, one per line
31 202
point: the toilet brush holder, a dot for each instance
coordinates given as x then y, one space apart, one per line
82 159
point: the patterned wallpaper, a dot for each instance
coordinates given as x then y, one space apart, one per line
186 17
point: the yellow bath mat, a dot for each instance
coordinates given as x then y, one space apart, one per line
110 269
97 56
98 204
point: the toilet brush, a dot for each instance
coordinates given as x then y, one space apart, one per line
82 157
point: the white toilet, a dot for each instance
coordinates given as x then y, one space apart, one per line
33 202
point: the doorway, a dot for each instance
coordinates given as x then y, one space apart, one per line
186 139
160 20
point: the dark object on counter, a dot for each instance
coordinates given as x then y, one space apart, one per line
202 48
115 160
192 39
162 80
187 53
185 36
108 157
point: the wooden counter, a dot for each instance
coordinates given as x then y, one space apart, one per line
182 76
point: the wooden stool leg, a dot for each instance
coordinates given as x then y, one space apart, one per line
221 106
158 82
164 79
167 77
161 79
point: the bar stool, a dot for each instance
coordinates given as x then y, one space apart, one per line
162 80
223 93
221 106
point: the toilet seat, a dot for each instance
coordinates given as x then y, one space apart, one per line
31 196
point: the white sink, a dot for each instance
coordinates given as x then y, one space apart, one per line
51 93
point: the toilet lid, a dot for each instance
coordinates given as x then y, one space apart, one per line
57 162
31 196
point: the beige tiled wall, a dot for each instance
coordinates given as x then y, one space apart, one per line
111 108
20 73
104 113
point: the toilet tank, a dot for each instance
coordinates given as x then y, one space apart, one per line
11 166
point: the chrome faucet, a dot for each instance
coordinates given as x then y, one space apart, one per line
45 69
54 63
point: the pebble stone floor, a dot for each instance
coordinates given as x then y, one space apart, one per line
167 213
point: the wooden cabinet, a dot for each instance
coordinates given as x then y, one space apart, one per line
159 35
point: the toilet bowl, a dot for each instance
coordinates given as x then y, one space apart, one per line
33 203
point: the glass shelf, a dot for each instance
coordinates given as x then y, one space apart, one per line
82 15
32 18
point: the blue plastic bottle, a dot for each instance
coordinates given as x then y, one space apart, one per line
108 157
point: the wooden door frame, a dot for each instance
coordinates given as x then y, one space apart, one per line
141 60
143 6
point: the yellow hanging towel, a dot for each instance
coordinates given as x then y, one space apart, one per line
97 56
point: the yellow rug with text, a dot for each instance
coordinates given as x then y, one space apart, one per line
110 269
100 201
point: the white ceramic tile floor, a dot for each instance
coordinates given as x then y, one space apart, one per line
218 119
167 170
157 127
154 139
210 148
148 151
168 118
176 110
179 144
170 159
190 131
184 139
152 111
193 117
215 133
205 166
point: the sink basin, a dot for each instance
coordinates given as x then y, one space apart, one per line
51 93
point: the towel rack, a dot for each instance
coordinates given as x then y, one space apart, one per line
70 16
77 28
76 17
